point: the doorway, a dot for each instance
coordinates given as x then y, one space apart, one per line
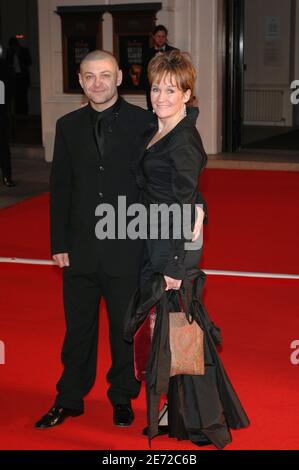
261 63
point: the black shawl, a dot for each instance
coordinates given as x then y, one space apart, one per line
158 368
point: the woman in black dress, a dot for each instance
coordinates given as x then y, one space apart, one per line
201 408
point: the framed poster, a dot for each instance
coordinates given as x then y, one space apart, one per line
272 28
132 49
81 34
77 48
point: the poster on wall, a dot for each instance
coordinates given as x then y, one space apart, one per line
132 52
77 48
272 28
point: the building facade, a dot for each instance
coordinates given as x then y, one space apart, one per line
246 53
194 26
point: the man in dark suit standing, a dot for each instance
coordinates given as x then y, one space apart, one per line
159 38
94 148
5 156
19 61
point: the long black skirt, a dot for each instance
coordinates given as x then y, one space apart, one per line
199 407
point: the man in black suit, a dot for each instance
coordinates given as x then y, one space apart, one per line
94 148
19 61
159 39
5 156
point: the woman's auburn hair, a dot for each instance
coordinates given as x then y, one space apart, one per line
178 65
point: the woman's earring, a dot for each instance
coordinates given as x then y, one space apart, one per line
185 110
154 112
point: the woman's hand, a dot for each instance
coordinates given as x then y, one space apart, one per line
62 259
172 283
198 224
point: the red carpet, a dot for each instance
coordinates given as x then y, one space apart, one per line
253 226
259 320
25 229
253 222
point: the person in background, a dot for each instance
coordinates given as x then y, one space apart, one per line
5 156
19 61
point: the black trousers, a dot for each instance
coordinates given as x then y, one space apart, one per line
82 294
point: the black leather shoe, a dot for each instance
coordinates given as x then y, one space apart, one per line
123 415
162 430
9 183
55 416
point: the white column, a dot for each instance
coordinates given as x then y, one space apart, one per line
198 30
204 51
107 32
182 28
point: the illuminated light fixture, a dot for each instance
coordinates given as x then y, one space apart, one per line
20 36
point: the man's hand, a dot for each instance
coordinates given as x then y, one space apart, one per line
62 259
172 283
198 223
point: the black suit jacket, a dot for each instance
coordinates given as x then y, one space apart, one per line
24 61
82 178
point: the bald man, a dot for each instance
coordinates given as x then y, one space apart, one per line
94 149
